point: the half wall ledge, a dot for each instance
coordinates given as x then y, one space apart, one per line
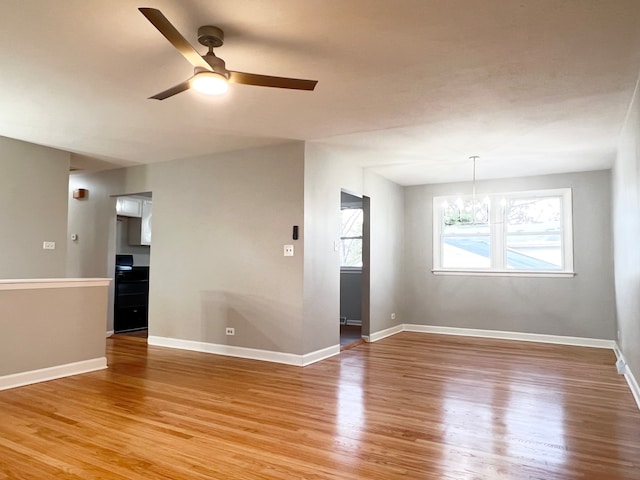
51 327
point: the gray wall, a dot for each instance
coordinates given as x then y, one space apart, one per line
47 327
33 196
387 244
220 223
217 261
93 218
626 228
581 306
325 175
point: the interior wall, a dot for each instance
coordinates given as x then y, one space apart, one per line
93 220
325 175
626 228
48 327
33 195
387 250
220 223
219 226
581 306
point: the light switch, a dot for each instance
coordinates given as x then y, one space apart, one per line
288 250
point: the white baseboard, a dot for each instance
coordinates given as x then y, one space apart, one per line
51 373
629 377
243 352
374 337
313 357
633 384
523 337
109 333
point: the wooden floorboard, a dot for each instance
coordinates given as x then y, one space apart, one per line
414 406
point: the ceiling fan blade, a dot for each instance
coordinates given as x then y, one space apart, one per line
176 39
181 87
268 81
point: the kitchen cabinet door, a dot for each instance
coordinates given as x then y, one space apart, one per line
140 228
129 207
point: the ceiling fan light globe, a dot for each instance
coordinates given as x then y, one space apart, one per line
209 83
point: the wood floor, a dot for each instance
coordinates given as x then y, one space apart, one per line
350 335
412 406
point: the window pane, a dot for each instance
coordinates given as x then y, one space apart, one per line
466 252
351 241
461 218
509 232
351 252
471 229
351 222
534 215
534 252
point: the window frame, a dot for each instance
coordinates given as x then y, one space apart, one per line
499 232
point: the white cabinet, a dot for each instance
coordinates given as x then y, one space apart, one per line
129 206
140 228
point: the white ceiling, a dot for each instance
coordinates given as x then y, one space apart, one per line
409 88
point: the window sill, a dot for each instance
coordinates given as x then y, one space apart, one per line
351 269
495 273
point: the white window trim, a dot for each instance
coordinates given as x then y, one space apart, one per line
498 236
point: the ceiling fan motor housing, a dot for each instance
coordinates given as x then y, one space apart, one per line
210 36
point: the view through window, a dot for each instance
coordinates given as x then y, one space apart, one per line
512 232
351 238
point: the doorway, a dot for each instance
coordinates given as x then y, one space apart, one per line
132 261
353 269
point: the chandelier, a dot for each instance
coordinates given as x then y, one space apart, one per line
468 210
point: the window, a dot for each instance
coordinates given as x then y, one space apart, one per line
508 233
351 238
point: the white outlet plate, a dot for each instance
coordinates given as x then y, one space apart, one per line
621 366
230 331
48 245
288 250
393 316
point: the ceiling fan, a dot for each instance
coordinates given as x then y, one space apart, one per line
210 73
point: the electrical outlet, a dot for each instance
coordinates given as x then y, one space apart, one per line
621 366
230 331
288 250
393 316
48 245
